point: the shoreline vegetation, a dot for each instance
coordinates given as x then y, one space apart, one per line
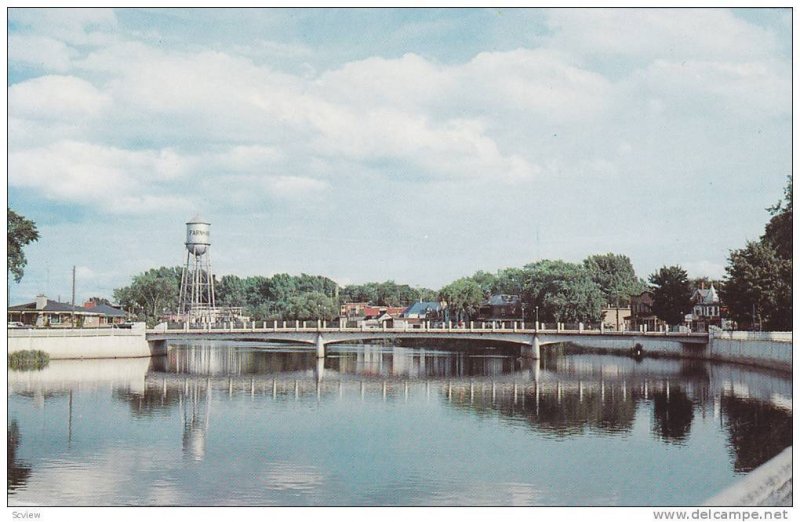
27 360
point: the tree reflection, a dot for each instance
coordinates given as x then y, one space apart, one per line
757 431
18 472
558 411
151 402
673 412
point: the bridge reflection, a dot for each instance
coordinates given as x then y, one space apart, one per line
558 396
244 359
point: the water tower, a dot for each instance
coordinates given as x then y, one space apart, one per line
196 304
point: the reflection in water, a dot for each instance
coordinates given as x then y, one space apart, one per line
250 359
18 471
757 431
673 412
270 406
561 409
562 395
195 414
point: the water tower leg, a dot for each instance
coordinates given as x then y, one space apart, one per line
320 346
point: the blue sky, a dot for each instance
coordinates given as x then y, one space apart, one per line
418 145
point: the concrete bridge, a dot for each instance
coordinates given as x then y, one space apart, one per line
529 340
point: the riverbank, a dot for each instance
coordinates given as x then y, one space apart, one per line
768 485
85 343
768 350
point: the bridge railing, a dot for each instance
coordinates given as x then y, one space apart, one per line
421 327
74 332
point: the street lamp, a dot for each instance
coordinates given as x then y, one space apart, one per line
537 317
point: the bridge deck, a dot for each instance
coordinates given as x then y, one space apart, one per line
303 334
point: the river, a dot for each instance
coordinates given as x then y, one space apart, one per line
263 424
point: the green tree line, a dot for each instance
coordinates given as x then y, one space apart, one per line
155 293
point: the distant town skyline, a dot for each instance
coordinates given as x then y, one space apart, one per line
417 145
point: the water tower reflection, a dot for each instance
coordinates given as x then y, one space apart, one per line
195 407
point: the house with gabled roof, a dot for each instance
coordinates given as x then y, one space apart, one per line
423 311
707 309
47 313
501 307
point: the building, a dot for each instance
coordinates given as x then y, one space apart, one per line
501 307
423 311
367 315
616 317
706 310
642 313
46 313
108 315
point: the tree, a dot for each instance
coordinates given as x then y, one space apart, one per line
615 276
758 277
486 281
280 287
387 293
311 305
562 291
704 282
778 232
426 294
509 281
758 280
672 294
21 232
151 294
464 297
231 290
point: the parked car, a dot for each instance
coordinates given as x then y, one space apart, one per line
124 325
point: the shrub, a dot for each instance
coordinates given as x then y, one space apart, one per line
28 360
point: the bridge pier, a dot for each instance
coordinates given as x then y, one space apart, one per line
320 344
533 350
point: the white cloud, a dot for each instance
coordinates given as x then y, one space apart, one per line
542 84
748 89
56 98
294 186
40 52
115 180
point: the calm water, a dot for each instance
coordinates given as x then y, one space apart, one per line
249 424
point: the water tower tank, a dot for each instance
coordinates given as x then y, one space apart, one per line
198 236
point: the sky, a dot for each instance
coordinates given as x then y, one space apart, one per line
414 145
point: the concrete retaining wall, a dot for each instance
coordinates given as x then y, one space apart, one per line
766 349
763 349
768 485
84 343
649 346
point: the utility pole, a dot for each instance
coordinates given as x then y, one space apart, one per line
73 296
